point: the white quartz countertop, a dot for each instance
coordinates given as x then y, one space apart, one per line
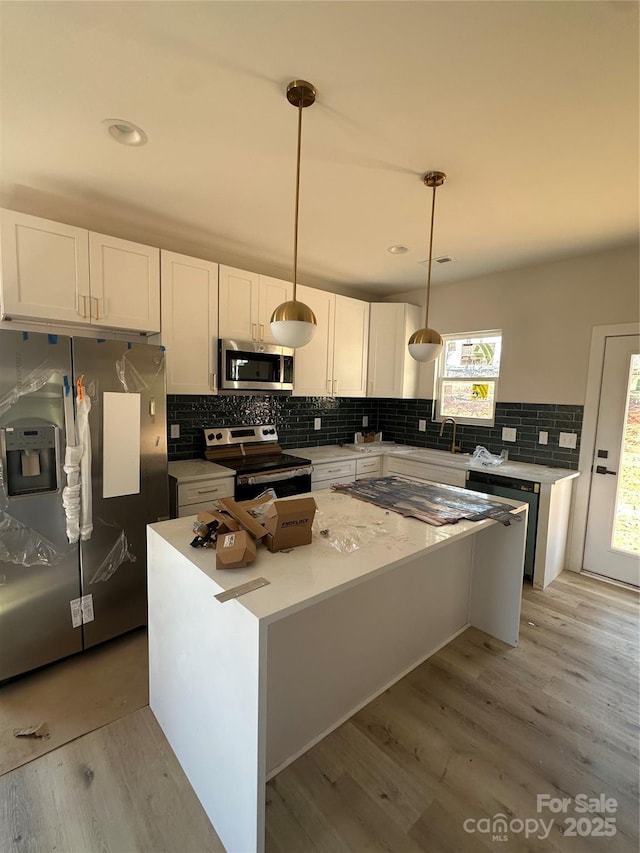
517 470
192 470
313 572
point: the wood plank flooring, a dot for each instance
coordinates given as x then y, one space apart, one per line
478 730
74 697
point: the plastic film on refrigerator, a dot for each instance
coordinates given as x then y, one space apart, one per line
118 554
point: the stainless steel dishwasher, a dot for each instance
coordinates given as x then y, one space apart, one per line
525 491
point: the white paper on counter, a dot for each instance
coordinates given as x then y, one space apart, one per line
121 444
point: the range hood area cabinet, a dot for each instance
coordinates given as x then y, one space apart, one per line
189 289
392 371
334 363
63 274
247 301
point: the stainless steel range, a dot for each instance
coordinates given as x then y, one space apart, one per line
254 454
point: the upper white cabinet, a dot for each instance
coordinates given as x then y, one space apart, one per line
189 289
351 347
334 363
392 371
247 301
45 269
124 280
59 273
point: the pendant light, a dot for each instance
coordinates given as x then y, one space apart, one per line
293 323
426 344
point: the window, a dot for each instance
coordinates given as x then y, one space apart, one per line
467 377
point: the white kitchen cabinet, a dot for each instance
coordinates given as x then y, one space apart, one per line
189 289
424 471
351 347
271 293
124 284
325 474
45 269
392 372
63 274
370 466
247 301
189 497
334 362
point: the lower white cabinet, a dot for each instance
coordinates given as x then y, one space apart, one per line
327 474
191 498
424 471
371 466
189 289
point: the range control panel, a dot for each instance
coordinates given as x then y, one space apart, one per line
221 436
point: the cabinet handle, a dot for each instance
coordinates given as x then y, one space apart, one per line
335 387
208 491
261 332
213 381
97 314
329 387
253 332
84 304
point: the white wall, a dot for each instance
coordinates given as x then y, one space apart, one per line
546 313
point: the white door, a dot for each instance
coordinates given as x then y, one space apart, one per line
190 323
125 284
45 269
351 347
314 362
612 546
238 306
273 292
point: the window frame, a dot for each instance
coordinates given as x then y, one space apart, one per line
440 378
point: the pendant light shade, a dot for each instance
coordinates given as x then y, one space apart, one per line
293 323
426 344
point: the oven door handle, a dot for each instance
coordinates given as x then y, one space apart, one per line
273 477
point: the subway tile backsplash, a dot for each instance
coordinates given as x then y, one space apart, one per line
397 419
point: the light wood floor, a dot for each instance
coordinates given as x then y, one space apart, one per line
477 730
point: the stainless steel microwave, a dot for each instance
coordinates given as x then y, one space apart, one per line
255 366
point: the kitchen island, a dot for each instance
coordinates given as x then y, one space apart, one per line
244 687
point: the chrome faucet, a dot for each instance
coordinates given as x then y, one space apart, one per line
454 447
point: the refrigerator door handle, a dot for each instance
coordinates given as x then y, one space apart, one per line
152 407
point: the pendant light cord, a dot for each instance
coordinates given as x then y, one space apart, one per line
295 223
433 210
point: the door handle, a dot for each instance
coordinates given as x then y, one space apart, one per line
261 332
213 384
600 469
254 335
84 304
97 314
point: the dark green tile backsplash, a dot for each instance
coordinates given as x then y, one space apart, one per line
397 419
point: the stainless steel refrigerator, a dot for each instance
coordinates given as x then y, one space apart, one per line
83 470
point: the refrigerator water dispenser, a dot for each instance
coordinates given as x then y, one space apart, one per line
30 453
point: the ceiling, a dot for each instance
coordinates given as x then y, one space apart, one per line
531 108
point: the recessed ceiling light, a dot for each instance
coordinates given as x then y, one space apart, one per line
125 131
398 250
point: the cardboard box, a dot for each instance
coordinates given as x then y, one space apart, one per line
225 522
235 550
239 512
288 523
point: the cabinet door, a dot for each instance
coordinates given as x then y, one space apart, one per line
238 305
125 284
313 363
189 289
425 471
45 269
386 359
351 344
273 292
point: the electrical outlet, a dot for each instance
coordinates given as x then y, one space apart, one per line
422 426
365 420
175 431
317 423
543 437
568 439
509 433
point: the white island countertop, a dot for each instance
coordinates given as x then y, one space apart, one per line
312 572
